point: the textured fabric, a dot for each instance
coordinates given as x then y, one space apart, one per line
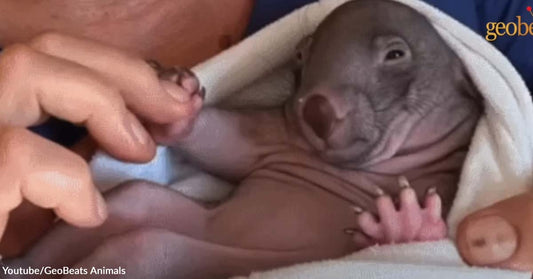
397 263
267 11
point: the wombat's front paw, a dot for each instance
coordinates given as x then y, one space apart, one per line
189 92
410 222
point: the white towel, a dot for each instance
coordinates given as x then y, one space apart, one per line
499 164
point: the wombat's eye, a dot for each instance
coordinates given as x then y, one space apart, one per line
391 50
394 54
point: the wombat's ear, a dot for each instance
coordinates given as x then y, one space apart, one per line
465 83
302 50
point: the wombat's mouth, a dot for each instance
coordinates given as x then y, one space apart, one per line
320 116
325 127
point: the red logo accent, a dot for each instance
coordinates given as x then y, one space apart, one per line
529 10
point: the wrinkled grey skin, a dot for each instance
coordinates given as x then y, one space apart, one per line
381 95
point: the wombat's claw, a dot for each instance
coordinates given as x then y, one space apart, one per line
202 93
408 223
403 182
155 65
349 231
359 238
176 74
184 78
179 76
357 210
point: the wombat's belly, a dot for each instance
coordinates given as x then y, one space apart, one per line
277 210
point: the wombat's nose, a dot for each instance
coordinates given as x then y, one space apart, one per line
319 115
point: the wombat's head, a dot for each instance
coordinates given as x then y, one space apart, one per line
372 72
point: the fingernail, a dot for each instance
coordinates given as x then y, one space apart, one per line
403 182
136 130
380 192
101 207
490 240
174 91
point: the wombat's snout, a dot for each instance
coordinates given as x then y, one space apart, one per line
319 115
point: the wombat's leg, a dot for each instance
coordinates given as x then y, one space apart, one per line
410 222
156 253
222 142
229 144
269 226
131 206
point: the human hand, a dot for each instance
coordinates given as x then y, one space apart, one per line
499 236
86 83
